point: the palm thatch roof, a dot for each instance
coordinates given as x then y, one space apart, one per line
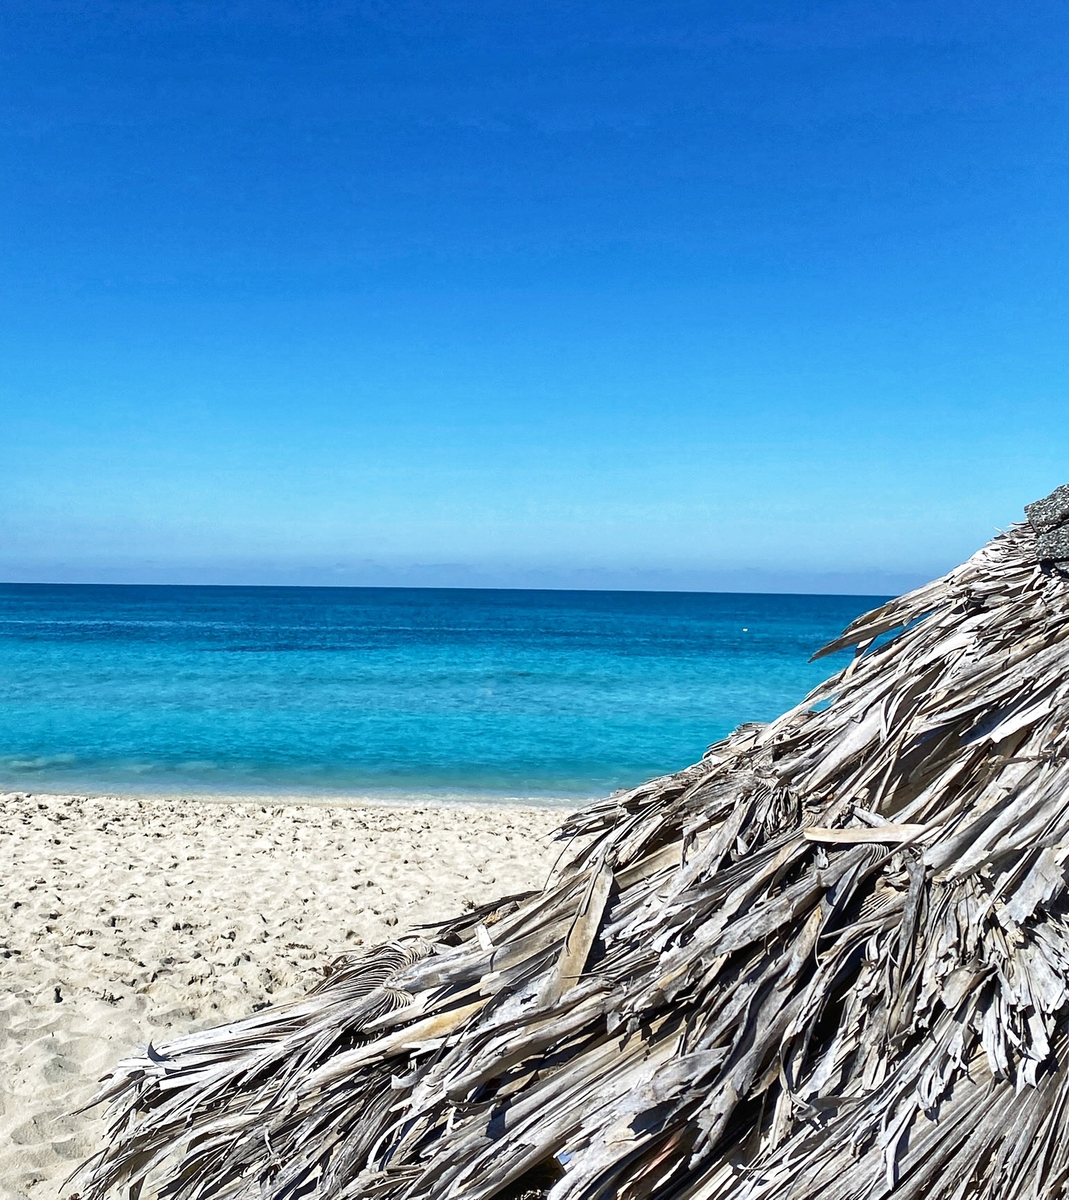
829 960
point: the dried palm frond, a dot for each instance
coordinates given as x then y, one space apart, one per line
829 960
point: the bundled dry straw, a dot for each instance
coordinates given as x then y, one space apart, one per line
829 960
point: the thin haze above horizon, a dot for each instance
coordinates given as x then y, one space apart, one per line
761 297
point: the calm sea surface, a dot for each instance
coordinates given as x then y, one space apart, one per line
383 691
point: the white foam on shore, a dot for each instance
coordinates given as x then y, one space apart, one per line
342 797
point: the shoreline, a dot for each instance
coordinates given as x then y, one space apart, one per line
320 797
129 918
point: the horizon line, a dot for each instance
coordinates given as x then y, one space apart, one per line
428 587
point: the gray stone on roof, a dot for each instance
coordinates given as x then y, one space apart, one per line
1049 517
1050 511
1053 546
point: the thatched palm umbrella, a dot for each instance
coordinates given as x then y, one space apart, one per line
829 960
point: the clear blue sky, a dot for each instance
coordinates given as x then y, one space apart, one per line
768 296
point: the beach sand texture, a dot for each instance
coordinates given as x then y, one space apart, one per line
128 919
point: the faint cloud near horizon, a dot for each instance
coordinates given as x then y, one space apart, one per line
370 573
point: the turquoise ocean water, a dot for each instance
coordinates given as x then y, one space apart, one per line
389 691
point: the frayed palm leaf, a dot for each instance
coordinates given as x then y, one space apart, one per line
829 960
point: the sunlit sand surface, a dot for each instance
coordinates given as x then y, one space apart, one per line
128 920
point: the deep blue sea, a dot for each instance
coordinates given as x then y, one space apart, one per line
389 691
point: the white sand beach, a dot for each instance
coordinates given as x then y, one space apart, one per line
135 919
